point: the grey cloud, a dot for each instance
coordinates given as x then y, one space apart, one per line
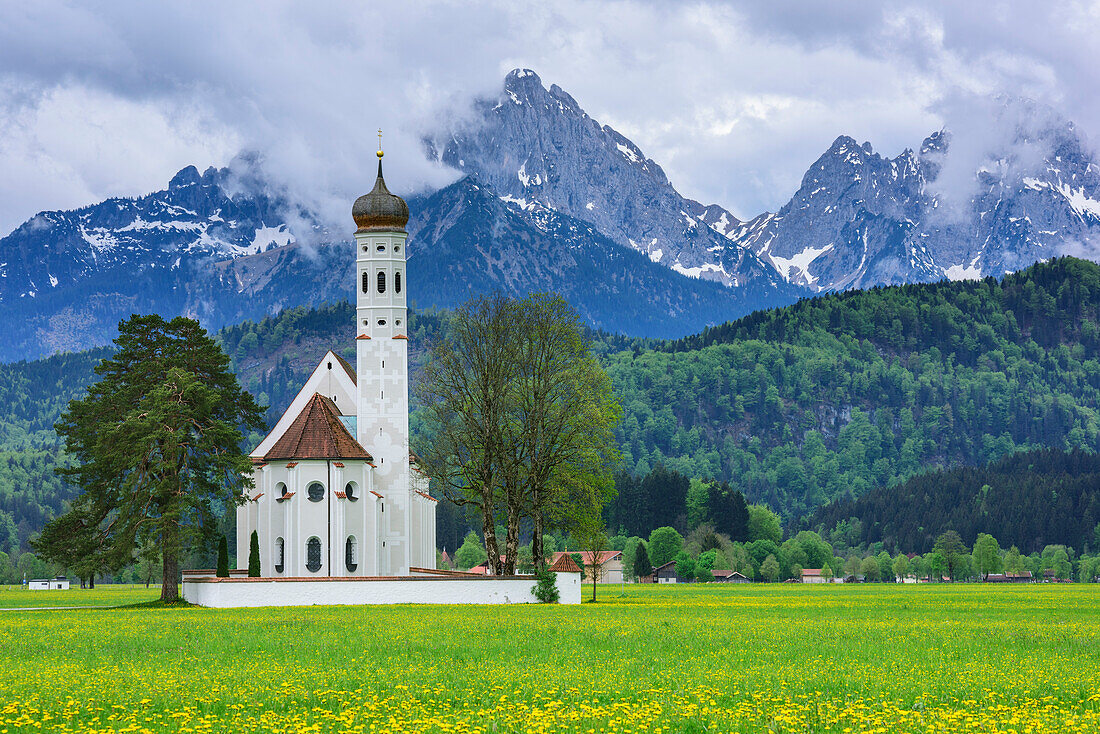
733 100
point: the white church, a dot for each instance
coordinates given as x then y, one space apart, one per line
337 491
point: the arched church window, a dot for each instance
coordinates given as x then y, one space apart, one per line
315 492
397 282
313 554
366 282
381 281
279 555
351 491
280 490
351 560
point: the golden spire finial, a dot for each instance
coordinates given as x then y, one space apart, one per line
379 142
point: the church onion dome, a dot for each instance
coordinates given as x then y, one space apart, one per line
380 209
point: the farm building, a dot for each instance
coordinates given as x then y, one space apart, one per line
666 574
730 577
58 584
813 576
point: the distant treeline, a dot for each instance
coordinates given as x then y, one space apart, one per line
1029 500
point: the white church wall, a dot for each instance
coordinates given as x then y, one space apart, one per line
228 593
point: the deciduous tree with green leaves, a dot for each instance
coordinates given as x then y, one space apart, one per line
901 567
769 569
987 555
664 544
950 547
157 442
764 524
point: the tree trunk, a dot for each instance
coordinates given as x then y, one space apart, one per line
169 589
537 551
488 529
91 581
511 541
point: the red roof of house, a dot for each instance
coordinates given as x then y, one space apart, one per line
586 556
317 433
564 563
721 573
811 572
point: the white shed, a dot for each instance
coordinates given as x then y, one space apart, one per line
58 584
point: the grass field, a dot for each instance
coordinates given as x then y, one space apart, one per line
777 658
16 597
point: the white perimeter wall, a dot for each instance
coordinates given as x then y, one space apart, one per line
227 593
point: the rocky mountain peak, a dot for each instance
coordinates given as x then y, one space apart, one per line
187 176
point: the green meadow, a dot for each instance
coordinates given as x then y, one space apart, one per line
780 658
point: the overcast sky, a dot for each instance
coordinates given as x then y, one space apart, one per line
735 101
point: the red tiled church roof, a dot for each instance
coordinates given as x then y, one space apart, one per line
317 433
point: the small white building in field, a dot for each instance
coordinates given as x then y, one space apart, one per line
57 584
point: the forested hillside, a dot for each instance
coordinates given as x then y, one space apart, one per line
796 407
1029 500
835 395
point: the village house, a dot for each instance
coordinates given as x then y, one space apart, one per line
610 563
725 576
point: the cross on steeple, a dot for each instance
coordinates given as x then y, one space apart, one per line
379 142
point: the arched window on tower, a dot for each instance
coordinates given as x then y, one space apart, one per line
381 281
351 491
397 282
313 554
366 282
279 555
351 560
315 492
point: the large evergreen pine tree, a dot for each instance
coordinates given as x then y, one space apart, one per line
157 447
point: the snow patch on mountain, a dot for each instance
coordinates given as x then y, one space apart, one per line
799 262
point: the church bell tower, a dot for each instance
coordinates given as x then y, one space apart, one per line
382 384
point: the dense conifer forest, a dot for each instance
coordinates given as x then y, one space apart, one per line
1029 500
797 407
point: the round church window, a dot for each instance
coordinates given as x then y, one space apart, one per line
351 491
315 491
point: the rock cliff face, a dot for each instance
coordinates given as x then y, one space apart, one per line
550 199
858 219
536 145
